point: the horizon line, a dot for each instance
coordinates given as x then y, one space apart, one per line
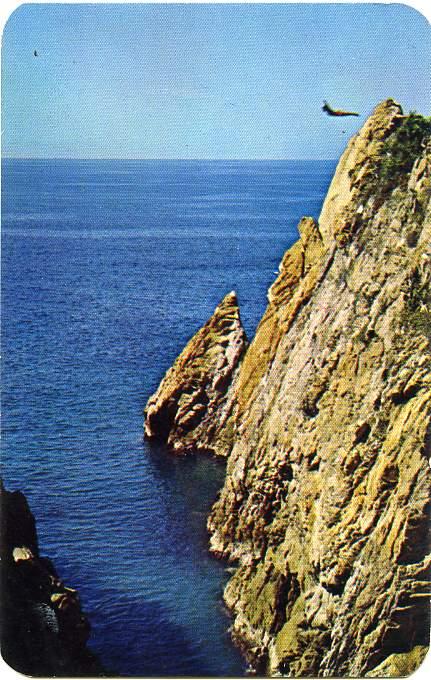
5 157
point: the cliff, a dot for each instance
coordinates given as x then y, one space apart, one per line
43 629
325 506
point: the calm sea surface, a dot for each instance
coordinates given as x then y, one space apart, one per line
109 267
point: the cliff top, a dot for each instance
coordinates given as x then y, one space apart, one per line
363 163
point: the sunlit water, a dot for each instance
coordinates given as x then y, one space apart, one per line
109 267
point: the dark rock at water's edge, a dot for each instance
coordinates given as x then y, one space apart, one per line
43 629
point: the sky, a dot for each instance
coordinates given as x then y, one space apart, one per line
230 81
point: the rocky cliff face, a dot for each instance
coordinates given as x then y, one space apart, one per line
325 506
44 631
193 401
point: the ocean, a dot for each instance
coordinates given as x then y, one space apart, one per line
108 268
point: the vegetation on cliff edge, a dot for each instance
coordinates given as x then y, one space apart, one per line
402 148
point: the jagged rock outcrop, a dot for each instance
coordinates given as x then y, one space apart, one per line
43 629
325 506
192 404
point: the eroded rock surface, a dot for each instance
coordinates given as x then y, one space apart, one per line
325 506
191 403
44 631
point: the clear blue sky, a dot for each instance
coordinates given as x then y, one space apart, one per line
204 81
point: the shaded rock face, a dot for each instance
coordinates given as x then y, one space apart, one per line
325 506
44 631
192 403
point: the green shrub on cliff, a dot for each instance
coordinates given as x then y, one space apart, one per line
402 147
417 312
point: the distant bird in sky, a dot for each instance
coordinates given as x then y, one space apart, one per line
336 112
35 53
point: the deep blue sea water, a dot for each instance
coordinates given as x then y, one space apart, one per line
108 268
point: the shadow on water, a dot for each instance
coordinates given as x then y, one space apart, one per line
157 643
201 473
196 482
155 626
157 647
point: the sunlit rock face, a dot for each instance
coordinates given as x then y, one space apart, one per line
325 506
192 403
